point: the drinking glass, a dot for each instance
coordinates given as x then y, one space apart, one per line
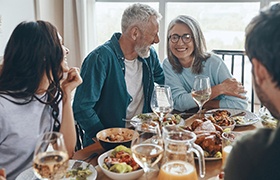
147 148
201 90
50 159
228 139
161 102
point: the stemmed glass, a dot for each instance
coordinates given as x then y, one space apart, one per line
147 148
201 90
162 102
50 159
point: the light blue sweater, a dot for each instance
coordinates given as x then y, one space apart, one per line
181 84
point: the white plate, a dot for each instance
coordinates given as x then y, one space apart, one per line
28 174
154 117
249 118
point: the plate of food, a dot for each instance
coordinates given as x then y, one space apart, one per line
170 119
84 172
247 118
267 119
208 138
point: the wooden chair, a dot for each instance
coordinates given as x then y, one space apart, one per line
240 67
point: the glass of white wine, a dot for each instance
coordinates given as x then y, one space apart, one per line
147 148
50 159
201 90
162 102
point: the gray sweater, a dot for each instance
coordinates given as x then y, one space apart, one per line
20 125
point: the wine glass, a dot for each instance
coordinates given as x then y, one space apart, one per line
50 159
201 90
147 148
161 102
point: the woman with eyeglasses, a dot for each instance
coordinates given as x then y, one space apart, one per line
186 58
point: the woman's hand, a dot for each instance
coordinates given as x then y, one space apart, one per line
72 81
2 174
232 87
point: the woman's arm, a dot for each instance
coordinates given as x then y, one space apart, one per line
230 87
67 127
227 92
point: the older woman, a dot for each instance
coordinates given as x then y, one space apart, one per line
187 57
33 97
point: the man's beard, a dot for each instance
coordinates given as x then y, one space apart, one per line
143 51
266 101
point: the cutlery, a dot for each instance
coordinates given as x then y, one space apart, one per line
77 164
129 120
239 114
90 157
190 114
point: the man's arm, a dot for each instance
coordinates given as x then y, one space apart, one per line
88 94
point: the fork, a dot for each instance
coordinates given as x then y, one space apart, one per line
76 164
90 157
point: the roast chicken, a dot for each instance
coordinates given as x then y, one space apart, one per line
208 136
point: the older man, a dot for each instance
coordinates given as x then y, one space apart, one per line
257 156
119 75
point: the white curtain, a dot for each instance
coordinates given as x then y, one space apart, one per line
78 29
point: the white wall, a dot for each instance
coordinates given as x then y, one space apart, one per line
12 12
52 11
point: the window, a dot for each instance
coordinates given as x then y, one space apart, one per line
223 22
108 19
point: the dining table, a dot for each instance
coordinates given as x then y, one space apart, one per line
212 167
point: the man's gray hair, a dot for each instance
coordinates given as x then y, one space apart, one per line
138 14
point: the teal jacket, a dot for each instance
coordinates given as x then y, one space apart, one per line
102 99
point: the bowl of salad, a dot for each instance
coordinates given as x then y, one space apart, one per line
118 164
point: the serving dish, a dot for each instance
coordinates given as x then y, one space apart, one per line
170 119
117 176
267 119
113 137
248 119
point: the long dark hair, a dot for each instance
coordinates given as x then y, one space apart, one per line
34 49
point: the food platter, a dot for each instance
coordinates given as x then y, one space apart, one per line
249 118
169 119
29 174
267 119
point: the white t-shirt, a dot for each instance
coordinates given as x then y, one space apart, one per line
133 79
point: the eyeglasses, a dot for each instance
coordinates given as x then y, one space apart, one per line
186 38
